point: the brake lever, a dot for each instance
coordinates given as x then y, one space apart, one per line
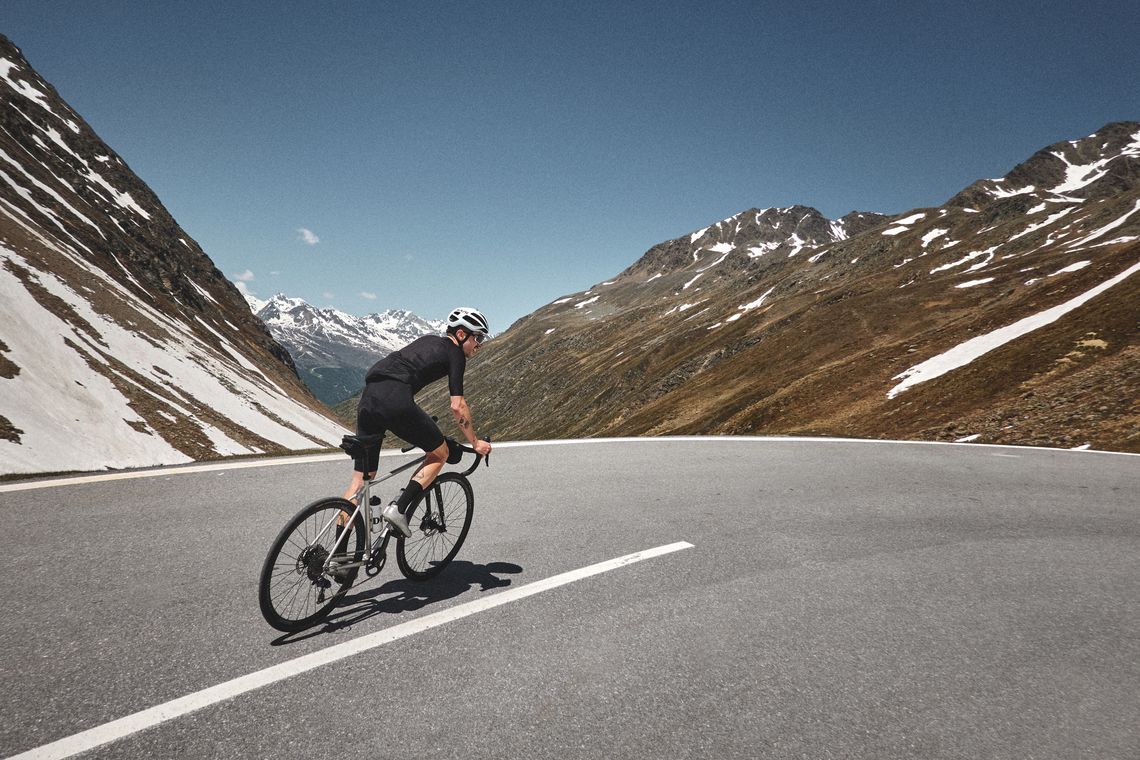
479 459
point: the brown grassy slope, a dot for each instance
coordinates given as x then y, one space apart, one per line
719 332
822 362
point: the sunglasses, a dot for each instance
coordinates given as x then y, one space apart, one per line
480 338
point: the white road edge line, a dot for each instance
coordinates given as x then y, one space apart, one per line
131 724
175 470
31 485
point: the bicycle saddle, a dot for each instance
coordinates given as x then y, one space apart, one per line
354 445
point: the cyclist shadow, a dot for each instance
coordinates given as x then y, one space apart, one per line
363 603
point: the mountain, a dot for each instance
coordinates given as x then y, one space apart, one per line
1008 315
332 350
736 244
121 345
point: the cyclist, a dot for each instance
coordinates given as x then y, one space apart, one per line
387 404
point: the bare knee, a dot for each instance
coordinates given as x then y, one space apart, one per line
438 455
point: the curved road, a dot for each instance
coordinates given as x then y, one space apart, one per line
840 599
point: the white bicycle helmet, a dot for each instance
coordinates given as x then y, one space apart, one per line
469 319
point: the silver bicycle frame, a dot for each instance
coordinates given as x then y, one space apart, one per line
362 498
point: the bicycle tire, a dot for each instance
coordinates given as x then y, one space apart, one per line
435 542
292 591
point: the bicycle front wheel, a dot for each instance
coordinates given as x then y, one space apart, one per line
439 521
300 581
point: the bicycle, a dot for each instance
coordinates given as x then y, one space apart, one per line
311 554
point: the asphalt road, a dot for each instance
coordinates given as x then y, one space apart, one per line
841 600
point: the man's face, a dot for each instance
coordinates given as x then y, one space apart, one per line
469 344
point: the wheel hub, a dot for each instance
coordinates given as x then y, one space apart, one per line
430 526
311 562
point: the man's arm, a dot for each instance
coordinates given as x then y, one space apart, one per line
462 413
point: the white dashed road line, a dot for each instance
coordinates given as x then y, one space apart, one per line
131 724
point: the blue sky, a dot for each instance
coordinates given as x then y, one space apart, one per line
502 154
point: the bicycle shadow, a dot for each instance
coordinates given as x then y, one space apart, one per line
361 604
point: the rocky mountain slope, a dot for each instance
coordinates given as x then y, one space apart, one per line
1008 314
333 350
121 344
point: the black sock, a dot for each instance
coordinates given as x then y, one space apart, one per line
408 495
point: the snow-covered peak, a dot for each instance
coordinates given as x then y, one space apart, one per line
402 320
740 241
277 305
255 303
331 348
390 327
760 231
1072 171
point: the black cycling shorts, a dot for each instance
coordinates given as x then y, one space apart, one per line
388 406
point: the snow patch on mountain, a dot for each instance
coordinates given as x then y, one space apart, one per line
1106 229
964 353
121 343
40 98
68 408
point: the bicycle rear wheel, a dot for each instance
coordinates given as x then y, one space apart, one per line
295 591
439 521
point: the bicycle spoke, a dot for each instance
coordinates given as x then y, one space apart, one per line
439 525
293 592
297 585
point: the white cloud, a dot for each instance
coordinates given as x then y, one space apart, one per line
245 276
328 295
274 273
369 296
307 236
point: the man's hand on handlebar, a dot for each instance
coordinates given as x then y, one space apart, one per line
482 448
